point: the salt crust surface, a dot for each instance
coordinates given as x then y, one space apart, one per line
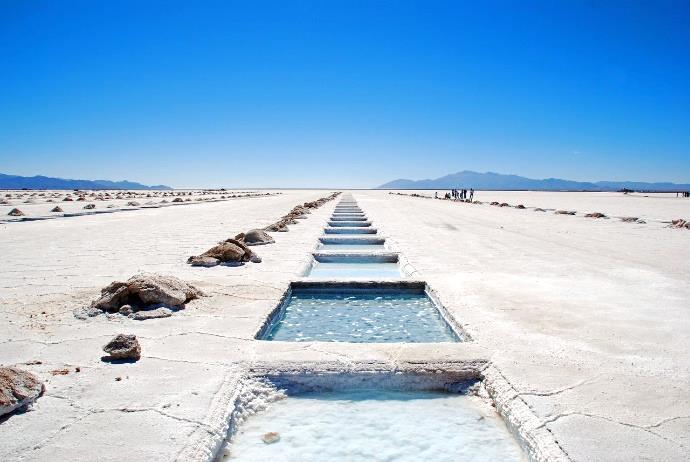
585 321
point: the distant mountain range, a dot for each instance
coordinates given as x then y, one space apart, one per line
496 181
44 182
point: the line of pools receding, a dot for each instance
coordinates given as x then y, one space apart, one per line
334 304
375 417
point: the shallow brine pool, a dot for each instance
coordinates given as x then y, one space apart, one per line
376 425
352 247
362 230
355 269
349 224
348 218
360 318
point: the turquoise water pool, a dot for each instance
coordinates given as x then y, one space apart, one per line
360 317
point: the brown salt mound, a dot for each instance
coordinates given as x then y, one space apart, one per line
18 388
519 206
298 212
123 347
146 291
595 215
57 209
680 223
255 237
277 227
16 213
229 251
633 220
565 212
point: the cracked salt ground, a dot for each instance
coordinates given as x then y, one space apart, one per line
362 318
375 425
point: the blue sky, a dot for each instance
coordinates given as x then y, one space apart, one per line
344 93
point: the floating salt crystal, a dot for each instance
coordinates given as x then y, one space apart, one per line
270 437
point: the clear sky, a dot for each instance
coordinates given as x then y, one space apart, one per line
344 93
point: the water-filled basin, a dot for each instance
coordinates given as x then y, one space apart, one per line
377 425
349 230
361 266
352 244
348 218
349 224
352 247
366 313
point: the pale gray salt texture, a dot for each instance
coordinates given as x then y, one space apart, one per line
361 318
375 425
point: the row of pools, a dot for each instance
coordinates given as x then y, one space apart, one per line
355 292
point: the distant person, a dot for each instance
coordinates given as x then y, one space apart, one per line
436 195
471 195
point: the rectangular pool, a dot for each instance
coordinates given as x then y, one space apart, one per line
349 224
349 230
364 266
358 313
352 247
348 218
352 244
376 425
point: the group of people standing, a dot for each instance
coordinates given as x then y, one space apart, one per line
458 195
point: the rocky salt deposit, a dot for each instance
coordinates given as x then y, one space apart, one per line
230 251
255 237
155 293
18 389
123 347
